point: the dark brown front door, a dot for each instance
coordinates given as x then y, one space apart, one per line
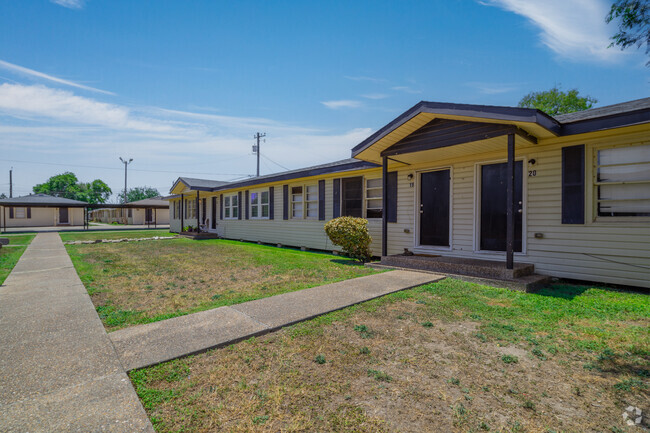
494 179
63 215
434 208
148 215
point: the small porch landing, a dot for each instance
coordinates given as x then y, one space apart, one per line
489 272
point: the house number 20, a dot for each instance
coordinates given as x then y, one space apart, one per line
532 173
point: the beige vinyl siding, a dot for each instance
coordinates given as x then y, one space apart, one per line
43 217
610 251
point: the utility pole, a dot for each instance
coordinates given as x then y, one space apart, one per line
126 163
11 183
256 149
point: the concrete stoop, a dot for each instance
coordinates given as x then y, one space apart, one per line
485 272
199 236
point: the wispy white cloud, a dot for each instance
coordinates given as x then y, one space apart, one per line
343 103
375 96
32 73
363 78
406 89
50 125
44 102
493 88
573 29
70 4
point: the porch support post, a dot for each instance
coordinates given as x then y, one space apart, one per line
198 228
510 202
182 207
384 211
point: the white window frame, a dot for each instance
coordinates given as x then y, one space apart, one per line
231 207
24 211
304 201
367 198
191 208
596 184
260 205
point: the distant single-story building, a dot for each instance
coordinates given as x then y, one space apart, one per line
568 194
41 210
153 210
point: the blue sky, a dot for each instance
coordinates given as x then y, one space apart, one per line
182 87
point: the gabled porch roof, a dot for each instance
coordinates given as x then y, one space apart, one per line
455 124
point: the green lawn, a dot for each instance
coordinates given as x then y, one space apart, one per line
111 234
10 254
140 282
454 355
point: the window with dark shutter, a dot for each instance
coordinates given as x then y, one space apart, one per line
220 206
573 184
285 202
239 205
336 201
271 202
29 212
321 200
352 196
11 212
247 204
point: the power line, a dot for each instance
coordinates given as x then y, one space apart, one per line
279 165
115 168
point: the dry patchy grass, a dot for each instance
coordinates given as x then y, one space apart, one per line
436 358
146 281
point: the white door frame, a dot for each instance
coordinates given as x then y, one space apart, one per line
416 210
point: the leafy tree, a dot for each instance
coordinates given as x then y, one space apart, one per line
633 26
3 195
139 193
67 185
556 101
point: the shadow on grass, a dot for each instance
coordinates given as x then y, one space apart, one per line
570 289
347 262
564 291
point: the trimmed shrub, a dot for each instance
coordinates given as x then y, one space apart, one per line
351 234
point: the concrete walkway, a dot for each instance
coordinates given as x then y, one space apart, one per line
145 345
60 372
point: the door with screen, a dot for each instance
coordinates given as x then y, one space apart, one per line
63 215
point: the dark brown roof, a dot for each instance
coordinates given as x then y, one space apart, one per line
623 107
42 200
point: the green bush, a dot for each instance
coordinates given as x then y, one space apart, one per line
352 235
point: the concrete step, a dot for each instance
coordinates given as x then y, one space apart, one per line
459 265
527 283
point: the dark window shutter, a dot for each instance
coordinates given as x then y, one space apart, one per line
239 205
573 184
285 202
271 202
336 203
246 204
391 206
220 206
11 212
213 214
321 200
29 212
